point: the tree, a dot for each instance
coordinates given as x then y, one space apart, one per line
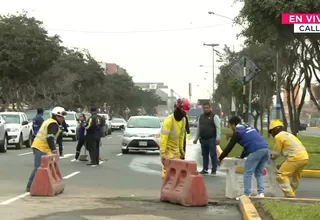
262 22
25 52
263 84
37 71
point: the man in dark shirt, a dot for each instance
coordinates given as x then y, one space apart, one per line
209 132
63 128
37 122
93 137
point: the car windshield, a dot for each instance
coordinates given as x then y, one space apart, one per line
117 121
70 117
11 119
144 123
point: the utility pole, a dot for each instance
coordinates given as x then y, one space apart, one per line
278 92
244 89
213 61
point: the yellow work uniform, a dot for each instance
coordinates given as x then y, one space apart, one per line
296 158
40 141
172 139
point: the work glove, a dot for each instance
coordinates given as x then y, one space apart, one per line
189 136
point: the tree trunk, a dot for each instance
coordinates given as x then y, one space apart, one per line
268 120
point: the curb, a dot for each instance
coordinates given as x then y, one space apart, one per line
249 212
305 173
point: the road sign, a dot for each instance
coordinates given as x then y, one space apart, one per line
127 110
251 70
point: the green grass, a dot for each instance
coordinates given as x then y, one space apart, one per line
283 210
312 145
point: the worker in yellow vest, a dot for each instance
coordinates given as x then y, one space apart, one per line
295 154
45 140
173 133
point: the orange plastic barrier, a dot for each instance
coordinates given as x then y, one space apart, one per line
48 180
182 184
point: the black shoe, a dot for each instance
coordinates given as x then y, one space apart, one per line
90 164
204 172
214 172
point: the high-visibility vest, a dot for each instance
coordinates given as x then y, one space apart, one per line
172 137
289 146
40 141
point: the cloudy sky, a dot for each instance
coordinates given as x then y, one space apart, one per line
156 41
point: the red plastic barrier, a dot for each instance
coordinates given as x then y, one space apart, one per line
48 180
182 184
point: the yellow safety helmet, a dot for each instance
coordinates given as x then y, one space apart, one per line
274 124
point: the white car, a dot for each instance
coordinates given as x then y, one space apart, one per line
3 136
118 124
72 122
141 133
18 129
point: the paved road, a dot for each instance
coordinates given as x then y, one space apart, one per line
123 186
311 132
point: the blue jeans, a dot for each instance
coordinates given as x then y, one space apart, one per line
255 163
208 147
37 163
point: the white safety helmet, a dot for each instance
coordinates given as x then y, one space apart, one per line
59 111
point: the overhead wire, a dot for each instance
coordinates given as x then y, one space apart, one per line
137 31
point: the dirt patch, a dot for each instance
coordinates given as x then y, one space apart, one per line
264 214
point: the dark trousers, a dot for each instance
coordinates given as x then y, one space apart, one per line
60 143
81 142
93 147
98 149
208 147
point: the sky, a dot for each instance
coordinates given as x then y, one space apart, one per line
155 41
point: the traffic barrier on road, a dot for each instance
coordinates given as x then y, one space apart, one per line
234 182
182 184
48 179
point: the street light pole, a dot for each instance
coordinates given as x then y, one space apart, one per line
213 76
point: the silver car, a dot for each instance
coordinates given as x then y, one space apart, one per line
141 133
3 136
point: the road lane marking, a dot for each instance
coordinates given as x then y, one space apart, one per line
109 137
71 175
120 135
119 154
27 193
25 153
14 199
66 156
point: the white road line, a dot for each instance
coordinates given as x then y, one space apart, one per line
71 175
27 193
119 154
109 137
101 162
25 153
14 199
120 135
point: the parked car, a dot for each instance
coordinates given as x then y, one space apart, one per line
118 124
141 133
3 136
303 126
32 113
18 129
193 121
108 129
72 123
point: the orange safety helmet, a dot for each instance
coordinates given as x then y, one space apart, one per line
183 104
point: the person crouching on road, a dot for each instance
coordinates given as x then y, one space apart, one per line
173 132
37 122
93 137
209 132
254 147
295 154
81 136
63 128
45 141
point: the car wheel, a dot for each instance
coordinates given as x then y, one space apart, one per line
74 138
19 145
4 145
29 141
125 151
